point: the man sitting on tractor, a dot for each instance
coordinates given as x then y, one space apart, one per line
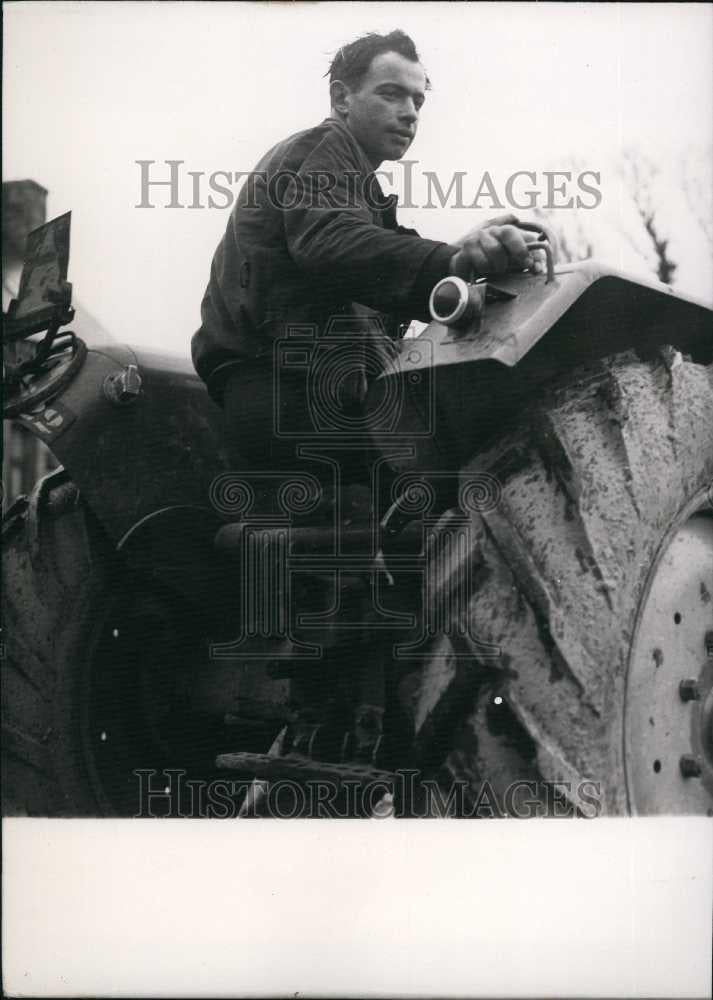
312 238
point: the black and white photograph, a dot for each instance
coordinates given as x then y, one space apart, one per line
357 467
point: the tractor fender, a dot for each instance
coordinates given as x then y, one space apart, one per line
588 307
176 546
453 390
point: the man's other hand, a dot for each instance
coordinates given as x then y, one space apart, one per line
494 248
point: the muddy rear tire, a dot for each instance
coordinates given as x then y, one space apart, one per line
56 572
96 668
606 471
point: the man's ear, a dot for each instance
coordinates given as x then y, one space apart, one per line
339 94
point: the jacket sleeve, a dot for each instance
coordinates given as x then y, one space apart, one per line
332 234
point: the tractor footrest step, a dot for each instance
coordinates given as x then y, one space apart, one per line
296 767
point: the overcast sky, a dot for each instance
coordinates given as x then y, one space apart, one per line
91 88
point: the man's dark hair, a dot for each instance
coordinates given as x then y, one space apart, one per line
352 62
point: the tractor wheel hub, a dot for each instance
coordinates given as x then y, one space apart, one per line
668 726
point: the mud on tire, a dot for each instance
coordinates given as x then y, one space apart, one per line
604 468
56 569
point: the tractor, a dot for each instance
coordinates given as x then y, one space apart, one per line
515 599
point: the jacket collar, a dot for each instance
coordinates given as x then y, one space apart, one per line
387 203
360 154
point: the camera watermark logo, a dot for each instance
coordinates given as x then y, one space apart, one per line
354 383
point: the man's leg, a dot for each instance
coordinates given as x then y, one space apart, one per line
255 431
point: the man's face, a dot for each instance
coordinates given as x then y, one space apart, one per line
382 113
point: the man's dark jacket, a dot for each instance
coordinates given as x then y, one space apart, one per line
311 237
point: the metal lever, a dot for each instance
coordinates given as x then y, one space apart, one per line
544 245
541 244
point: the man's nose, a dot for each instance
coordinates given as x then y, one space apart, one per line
408 112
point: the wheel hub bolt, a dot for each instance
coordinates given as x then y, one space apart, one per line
690 766
688 689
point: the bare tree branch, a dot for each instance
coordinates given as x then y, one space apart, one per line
639 174
697 186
